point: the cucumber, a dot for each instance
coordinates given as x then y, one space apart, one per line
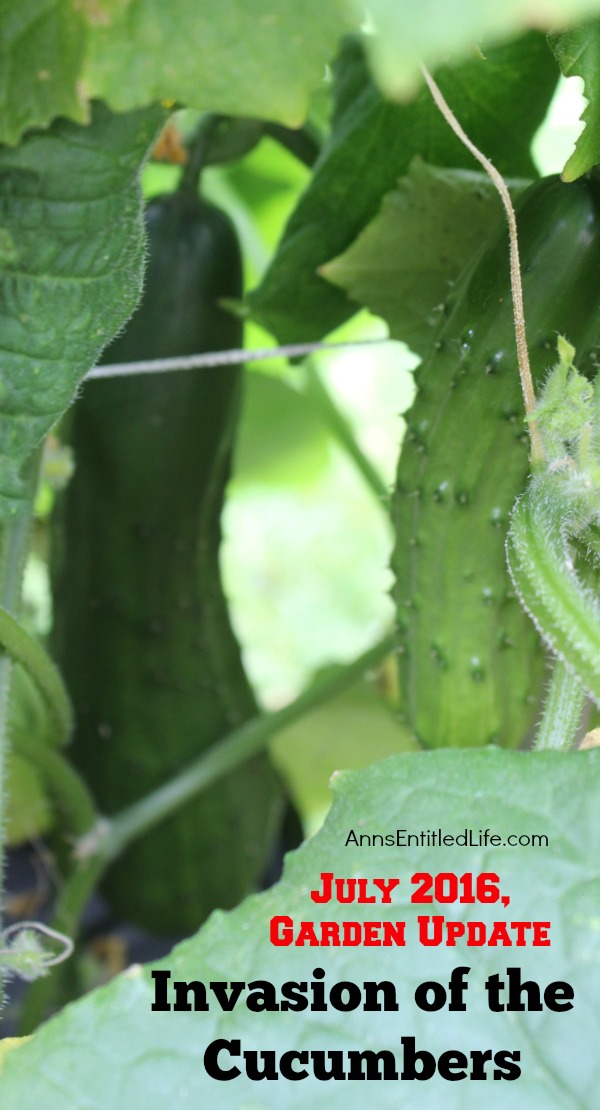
471 667
142 632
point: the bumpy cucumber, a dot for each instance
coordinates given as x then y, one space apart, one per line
471 668
142 632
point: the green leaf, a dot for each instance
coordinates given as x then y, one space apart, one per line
372 144
404 35
41 47
578 53
240 57
71 213
8 1045
28 807
110 1051
403 263
28 813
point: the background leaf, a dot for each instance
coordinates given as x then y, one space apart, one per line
101 1053
404 35
578 52
70 270
403 263
245 57
372 144
350 731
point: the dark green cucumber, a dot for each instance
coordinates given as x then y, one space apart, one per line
142 632
471 668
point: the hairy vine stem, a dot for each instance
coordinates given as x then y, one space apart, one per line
563 710
529 398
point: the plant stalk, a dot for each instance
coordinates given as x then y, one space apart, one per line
537 451
563 709
14 542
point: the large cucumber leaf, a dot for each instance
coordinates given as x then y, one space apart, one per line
372 144
110 1051
71 248
242 57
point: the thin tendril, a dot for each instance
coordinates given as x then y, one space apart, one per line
46 959
537 452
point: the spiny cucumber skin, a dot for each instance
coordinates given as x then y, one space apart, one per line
471 669
142 631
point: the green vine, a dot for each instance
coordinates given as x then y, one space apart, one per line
14 542
23 649
551 542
